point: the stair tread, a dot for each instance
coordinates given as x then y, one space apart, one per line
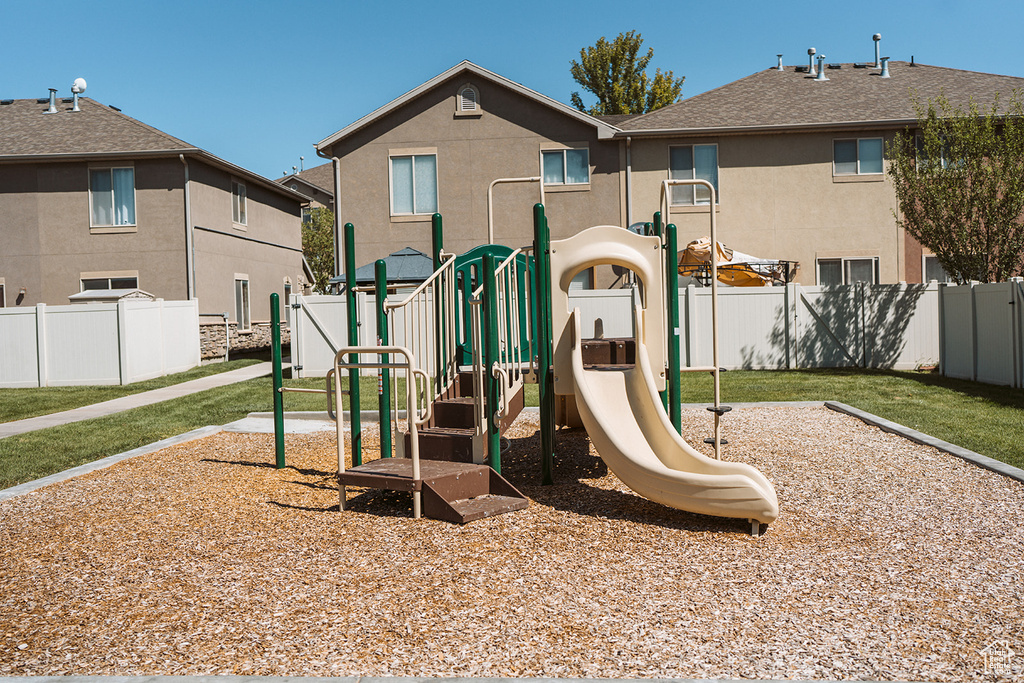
487 506
396 473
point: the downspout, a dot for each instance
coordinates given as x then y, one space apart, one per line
629 181
190 245
336 165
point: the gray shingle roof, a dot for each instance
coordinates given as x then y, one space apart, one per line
322 176
776 99
25 129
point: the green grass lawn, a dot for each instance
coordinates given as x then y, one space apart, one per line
18 404
983 418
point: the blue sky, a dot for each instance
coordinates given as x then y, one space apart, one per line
258 83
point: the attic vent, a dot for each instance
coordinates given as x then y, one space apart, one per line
802 69
6 101
835 66
467 99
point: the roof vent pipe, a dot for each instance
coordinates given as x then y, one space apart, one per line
878 50
810 60
885 68
821 69
53 101
779 67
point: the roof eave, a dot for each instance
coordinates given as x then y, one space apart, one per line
604 130
752 130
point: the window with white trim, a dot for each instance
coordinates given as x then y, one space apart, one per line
123 282
288 303
111 197
242 302
413 184
693 162
566 166
238 202
933 270
846 271
857 157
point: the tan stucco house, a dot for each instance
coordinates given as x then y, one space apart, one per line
94 200
316 183
798 162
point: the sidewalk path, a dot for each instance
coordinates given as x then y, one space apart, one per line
144 398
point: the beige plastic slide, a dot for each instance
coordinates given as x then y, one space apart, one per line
628 426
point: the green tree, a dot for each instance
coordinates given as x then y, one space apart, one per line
318 246
959 180
616 74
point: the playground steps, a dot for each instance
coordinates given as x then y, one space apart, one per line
452 491
450 434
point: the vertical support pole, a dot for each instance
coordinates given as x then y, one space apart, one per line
353 340
672 285
380 272
658 231
541 247
437 244
275 351
490 330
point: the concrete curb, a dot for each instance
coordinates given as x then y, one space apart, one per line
925 440
102 463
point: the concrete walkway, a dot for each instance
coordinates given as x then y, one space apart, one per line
144 398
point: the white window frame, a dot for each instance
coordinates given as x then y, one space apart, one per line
108 275
243 309
563 151
288 303
857 142
412 154
678 190
135 205
924 269
844 260
239 204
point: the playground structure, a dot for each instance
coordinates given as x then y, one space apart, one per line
504 313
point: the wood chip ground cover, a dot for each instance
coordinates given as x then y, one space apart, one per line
889 561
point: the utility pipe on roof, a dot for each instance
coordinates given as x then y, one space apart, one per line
190 244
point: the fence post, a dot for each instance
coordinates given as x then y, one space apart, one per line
42 370
974 333
692 330
942 328
122 342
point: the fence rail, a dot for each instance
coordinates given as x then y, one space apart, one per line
82 344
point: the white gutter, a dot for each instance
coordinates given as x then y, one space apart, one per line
190 244
629 181
336 166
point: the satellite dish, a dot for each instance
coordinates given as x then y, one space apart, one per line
78 86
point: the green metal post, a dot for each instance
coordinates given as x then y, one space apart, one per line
657 223
672 284
490 325
275 355
353 340
437 244
542 272
380 272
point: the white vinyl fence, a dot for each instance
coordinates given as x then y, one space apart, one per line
983 332
115 343
877 326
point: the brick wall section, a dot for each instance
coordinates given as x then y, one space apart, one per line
211 338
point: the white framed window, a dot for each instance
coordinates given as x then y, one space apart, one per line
112 197
413 184
242 302
238 202
846 271
692 162
931 269
90 282
566 166
861 156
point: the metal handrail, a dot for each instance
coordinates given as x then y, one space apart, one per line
412 409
